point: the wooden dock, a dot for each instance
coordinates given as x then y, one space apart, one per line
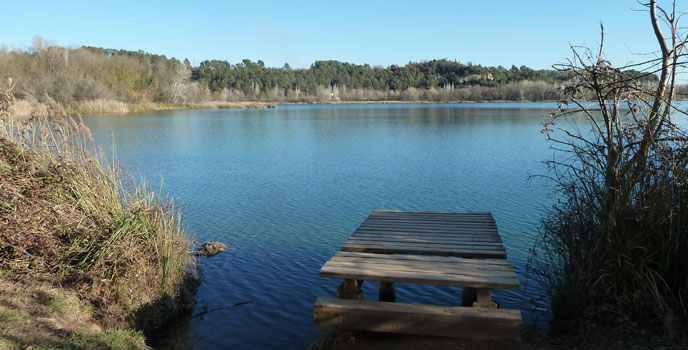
468 235
439 248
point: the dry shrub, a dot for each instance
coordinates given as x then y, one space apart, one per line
100 106
21 108
68 212
614 251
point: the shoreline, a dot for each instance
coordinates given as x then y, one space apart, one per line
88 260
93 107
384 102
127 108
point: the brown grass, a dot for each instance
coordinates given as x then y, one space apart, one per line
102 106
21 107
69 213
229 105
40 314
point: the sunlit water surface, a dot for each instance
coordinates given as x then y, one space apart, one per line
285 187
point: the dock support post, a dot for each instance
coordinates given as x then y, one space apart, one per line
387 291
350 289
484 299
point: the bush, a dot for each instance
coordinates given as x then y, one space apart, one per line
70 215
614 251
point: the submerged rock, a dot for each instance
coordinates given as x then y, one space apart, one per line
211 249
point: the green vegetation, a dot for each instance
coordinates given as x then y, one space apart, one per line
40 314
114 79
252 78
82 245
114 339
614 251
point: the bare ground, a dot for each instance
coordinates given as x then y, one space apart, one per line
38 314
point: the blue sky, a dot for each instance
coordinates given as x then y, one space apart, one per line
534 33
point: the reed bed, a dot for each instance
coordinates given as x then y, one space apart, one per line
102 106
72 216
99 106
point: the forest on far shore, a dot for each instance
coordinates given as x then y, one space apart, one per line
71 75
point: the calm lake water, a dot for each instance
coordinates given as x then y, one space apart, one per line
285 187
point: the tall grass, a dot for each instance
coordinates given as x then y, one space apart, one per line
99 106
72 214
614 249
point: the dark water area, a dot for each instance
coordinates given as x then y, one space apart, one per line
285 187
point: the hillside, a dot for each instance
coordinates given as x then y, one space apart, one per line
73 76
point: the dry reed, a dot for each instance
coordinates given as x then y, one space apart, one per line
72 214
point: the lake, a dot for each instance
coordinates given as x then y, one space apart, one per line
285 187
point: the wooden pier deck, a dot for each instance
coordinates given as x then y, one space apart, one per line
439 248
468 235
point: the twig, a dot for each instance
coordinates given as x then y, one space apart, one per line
206 311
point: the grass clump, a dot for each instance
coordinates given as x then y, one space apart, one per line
72 218
110 339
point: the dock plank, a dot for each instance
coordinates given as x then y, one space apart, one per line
395 257
484 235
430 220
434 226
498 253
445 224
354 239
413 245
421 229
464 233
425 268
420 278
452 267
432 260
430 213
406 318
449 238
410 263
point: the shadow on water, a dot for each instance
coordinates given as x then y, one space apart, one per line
160 321
174 335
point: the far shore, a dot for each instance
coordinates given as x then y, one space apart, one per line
89 107
383 102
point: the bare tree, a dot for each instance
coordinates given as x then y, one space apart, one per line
616 247
180 84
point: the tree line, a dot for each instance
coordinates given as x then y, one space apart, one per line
248 75
88 73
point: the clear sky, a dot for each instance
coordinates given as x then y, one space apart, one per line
487 32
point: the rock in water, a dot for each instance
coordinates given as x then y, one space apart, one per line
211 248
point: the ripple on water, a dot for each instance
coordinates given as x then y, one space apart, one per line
285 188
